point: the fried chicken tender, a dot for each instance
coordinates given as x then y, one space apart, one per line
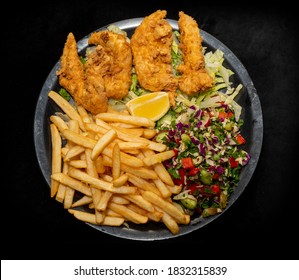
113 61
194 78
71 76
151 48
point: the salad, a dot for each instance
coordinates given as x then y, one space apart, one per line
208 158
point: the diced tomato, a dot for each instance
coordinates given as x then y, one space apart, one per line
208 123
178 182
176 152
187 163
182 173
216 189
193 171
230 114
222 115
233 163
215 176
240 139
181 180
204 192
193 188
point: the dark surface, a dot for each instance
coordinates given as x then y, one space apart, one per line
262 223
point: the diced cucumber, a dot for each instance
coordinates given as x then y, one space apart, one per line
205 177
160 136
189 203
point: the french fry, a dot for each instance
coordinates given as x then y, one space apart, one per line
163 174
84 200
102 204
142 172
139 121
93 127
78 163
125 190
102 143
155 216
113 221
128 128
132 145
119 199
140 201
111 213
159 168
116 161
60 193
170 223
131 152
84 216
106 177
128 213
149 133
96 197
143 184
120 181
158 158
137 209
83 114
70 182
74 126
68 198
124 158
73 152
79 139
165 192
88 179
175 189
70 192
98 183
96 193
90 218
59 122
56 157
100 168
66 107
62 188
166 206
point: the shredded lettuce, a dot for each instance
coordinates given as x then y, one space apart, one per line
221 92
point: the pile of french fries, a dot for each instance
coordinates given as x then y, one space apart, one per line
107 165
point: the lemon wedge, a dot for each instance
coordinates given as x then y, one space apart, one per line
151 105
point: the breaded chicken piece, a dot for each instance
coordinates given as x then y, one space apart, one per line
151 47
112 60
194 78
71 76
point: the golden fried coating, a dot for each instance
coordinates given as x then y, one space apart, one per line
115 59
194 78
151 47
71 76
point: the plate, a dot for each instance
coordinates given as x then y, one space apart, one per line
252 131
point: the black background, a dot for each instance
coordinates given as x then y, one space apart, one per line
261 224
